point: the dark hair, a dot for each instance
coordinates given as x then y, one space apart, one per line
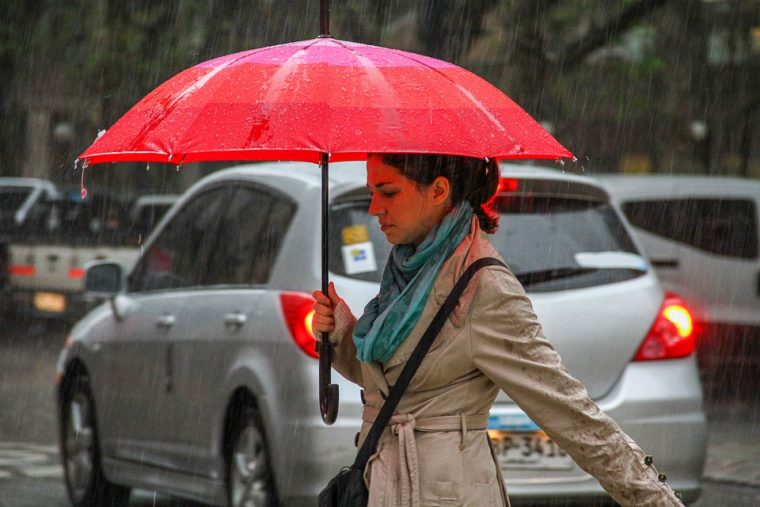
471 179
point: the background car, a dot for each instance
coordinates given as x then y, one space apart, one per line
46 262
702 235
199 377
22 207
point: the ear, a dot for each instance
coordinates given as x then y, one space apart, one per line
441 190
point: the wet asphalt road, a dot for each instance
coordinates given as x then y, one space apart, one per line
30 472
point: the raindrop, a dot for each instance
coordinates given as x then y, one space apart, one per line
147 167
100 133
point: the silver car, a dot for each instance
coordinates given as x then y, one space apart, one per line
197 376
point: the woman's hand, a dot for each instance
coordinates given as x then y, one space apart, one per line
324 311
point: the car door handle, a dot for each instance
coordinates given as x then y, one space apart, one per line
235 319
165 321
664 263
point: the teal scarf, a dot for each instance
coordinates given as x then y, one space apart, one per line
407 280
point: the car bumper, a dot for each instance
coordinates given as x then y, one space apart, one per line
49 304
659 404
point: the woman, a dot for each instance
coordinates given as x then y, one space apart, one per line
435 211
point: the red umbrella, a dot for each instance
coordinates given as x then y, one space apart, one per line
297 101
322 100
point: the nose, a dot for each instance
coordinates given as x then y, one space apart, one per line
374 207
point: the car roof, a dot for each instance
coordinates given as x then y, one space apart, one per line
28 182
658 185
350 175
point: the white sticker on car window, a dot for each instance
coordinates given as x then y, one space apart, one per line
359 258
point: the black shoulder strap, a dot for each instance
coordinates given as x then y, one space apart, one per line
416 358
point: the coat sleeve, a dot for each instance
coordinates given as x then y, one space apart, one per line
344 355
508 346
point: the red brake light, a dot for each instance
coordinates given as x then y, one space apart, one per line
298 309
21 270
508 185
671 335
76 273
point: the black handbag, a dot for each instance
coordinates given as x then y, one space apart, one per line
347 488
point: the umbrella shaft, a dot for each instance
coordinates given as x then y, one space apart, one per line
325 166
324 18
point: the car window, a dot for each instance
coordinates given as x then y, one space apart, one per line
11 199
556 243
223 236
551 243
144 219
255 222
99 220
179 256
725 227
358 248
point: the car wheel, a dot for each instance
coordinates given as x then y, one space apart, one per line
85 482
249 477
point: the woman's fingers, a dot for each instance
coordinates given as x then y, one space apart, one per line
322 324
333 294
322 321
324 306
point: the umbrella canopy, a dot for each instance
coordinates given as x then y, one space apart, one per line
323 96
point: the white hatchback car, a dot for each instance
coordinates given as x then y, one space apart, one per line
198 376
702 235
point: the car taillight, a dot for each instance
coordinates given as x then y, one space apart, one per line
298 309
77 273
508 185
671 335
21 270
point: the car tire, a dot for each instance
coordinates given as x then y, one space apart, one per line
86 484
249 473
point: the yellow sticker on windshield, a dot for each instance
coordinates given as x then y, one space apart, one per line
355 234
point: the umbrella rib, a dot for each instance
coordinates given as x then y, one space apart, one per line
165 111
273 92
385 89
463 91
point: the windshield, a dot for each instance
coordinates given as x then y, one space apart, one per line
554 243
11 199
550 243
97 221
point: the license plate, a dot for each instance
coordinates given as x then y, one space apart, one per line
51 302
529 450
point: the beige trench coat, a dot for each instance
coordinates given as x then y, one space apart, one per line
436 450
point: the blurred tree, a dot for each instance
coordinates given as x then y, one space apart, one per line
635 84
16 18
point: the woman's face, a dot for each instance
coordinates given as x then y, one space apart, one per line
405 212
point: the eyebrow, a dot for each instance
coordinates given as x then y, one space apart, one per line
380 185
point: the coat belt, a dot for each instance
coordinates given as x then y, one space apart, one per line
404 426
461 422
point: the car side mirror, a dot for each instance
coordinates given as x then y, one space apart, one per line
104 278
